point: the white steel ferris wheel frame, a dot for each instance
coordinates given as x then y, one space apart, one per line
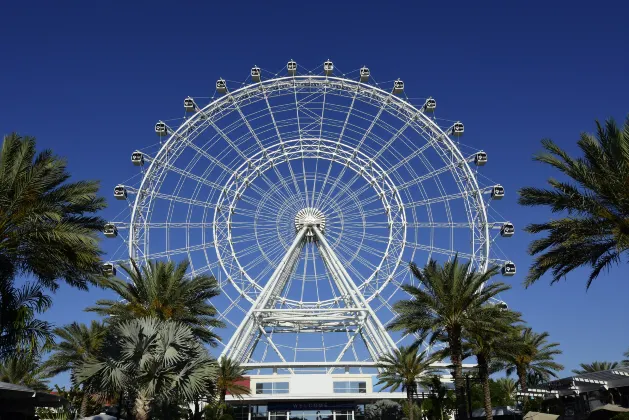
298 315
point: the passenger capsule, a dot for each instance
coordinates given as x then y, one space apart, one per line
480 159
364 74
161 129
398 87
508 269
189 105
497 192
120 192
507 230
110 230
221 86
137 158
328 68
109 269
291 67
430 105
255 74
457 129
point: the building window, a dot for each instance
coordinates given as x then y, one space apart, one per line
350 387
272 388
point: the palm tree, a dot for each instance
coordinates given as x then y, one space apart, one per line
78 344
626 361
230 373
19 329
162 290
595 367
450 303
156 361
46 225
596 231
509 387
402 370
24 369
492 344
535 356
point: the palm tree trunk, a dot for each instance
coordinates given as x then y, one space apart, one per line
459 383
409 399
84 401
197 413
142 407
522 378
483 373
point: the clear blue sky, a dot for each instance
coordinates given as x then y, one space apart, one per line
89 80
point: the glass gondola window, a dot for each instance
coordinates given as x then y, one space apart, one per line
508 269
110 230
480 159
137 158
497 192
161 129
507 230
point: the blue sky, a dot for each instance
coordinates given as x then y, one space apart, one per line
89 81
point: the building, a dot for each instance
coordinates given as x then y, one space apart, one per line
308 396
19 402
575 397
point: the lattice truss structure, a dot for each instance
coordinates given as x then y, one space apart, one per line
306 195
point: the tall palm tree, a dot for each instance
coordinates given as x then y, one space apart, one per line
402 369
24 369
509 387
230 373
78 344
47 227
595 367
156 361
19 329
162 290
492 344
595 232
449 304
536 356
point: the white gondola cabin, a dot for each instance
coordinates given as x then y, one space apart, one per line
398 87
255 74
109 269
328 68
189 105
137 158
364 74
497 192
457 129
430 105
110 230
161 129
508 269
291 67
120 192
507 230
221 86
480 159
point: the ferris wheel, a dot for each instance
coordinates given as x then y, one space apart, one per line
306 194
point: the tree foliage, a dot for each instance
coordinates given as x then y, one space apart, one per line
450 304
230 376
26 370
536 356
402 369
161 289
47 226
595 232
155 361
595 367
